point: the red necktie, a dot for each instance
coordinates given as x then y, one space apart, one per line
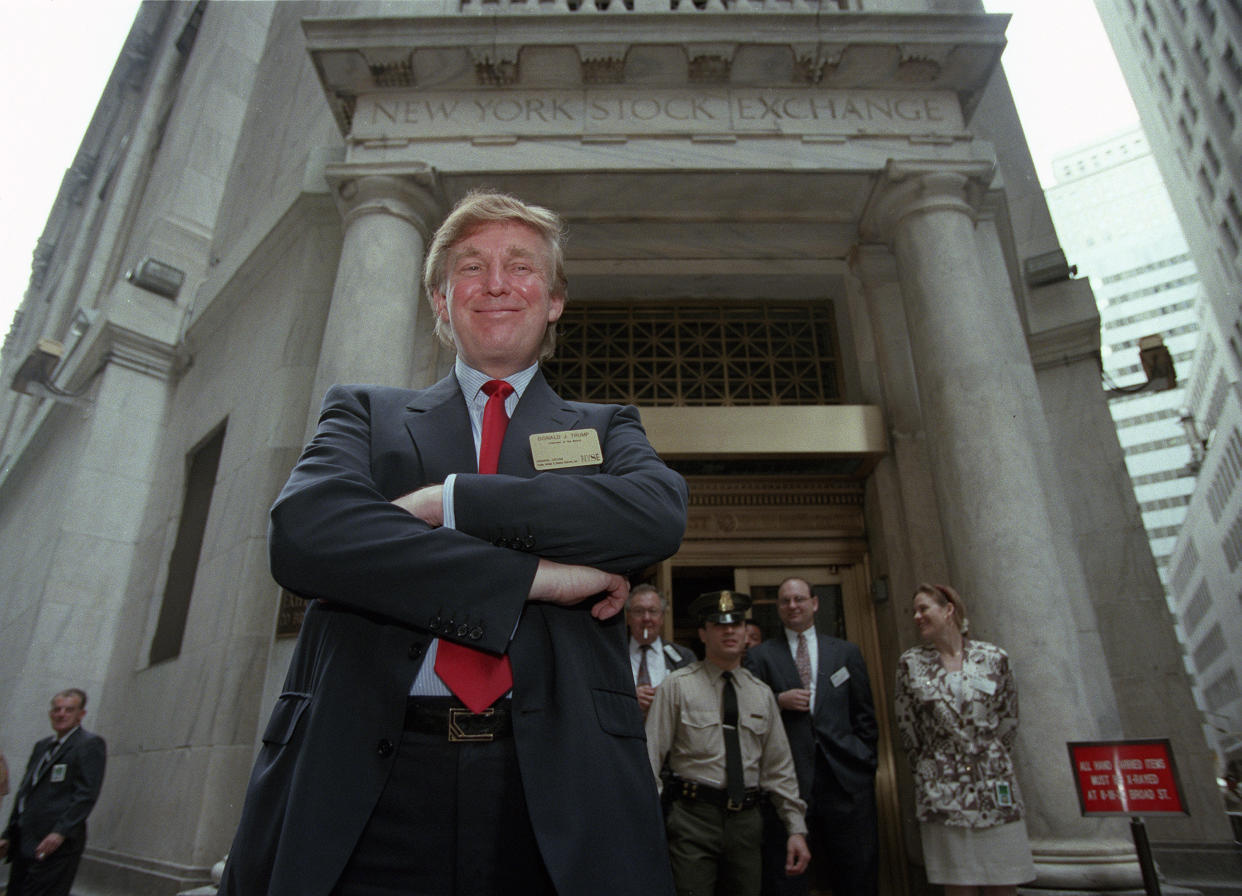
479 679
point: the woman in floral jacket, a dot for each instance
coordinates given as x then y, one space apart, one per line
957 710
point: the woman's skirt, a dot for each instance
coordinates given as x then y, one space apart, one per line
997 856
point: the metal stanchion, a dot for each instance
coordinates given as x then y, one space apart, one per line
1151 883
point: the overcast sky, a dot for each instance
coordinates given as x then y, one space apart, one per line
56 56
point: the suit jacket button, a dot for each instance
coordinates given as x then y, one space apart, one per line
463 630
476 633
529 542
434 624
384 748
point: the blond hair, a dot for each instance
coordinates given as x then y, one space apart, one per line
480 207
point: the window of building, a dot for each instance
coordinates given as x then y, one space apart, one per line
1231 544
1225 108
1228 237
1205 183
1197 608
1185 569
1201 54
1220 390
690 354
1164 503
1165 85
1210 649
1222 691
1220 491
1207 13
1232 62
1168 57
1213 160
200 481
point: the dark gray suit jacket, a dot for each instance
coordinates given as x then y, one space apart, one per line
385 583
61 798
842 723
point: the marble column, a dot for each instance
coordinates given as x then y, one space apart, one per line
983 428
372 331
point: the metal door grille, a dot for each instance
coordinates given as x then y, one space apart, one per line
690 354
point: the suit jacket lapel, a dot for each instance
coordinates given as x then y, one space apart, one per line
437 421
539 410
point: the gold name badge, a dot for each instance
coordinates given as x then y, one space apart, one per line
571 448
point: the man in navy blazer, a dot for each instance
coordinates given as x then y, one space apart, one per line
373 777
46 833
832 732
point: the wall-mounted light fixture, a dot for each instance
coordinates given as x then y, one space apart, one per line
36 369
34 375
157 277
1047 267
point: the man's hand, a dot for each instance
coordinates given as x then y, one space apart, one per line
797 856
796 700
427 504
566 585
646 693
48 845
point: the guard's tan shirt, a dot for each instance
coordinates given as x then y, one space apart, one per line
684 725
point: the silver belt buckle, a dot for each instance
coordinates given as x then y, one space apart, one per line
456 735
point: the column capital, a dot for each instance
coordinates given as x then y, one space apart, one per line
910 187
412 196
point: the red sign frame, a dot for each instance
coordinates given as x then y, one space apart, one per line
1127 777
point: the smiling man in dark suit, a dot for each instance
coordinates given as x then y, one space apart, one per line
459 715
46 833
824 693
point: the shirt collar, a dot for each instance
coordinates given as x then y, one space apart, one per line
471 381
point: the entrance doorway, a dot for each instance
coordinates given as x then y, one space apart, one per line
845 611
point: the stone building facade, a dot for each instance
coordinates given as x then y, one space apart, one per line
806 239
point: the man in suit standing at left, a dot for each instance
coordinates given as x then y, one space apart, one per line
651 657
46 833
824 693
459 716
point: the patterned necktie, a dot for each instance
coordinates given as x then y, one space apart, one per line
45 760
802 659
735 784
479 679
644 674
40 767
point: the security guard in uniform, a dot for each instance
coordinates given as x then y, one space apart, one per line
720 730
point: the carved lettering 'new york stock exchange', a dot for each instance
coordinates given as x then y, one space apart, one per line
601 112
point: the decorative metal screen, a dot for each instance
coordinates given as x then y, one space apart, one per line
662 354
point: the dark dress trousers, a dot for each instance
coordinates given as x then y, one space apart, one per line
58 800
834 752
385 583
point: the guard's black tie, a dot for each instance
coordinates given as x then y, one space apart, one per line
735 784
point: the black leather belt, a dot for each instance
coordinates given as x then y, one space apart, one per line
446 717
704 793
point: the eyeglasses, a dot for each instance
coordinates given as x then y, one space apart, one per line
789 601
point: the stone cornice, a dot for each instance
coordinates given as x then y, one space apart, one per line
742 47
